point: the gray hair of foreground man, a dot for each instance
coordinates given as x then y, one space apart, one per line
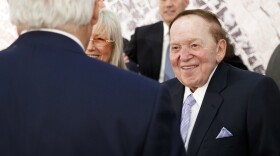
34 14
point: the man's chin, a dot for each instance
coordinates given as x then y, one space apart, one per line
169 19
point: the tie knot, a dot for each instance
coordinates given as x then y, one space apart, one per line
190 100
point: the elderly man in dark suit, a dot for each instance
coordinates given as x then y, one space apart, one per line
148 46
56 101
224 111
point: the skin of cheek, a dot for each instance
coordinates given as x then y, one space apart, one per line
199 77
107 51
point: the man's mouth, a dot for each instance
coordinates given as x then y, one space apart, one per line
189 67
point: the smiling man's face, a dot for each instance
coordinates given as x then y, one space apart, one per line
194 51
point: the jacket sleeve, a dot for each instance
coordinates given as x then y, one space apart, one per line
163 138
263 119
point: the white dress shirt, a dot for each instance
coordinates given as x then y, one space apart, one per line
198 96
164 49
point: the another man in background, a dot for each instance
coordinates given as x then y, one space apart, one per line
56 101
273 70
224 110
149 44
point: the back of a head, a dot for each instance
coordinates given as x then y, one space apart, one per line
34 14
108 22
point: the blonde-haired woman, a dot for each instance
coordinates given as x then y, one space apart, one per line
106 42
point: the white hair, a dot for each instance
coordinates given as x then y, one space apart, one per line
34 14
108 22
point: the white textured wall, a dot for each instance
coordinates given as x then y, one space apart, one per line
253 25
133 13
260 22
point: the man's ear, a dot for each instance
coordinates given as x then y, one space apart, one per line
221 50
95 13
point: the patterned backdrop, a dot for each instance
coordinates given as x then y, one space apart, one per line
253 25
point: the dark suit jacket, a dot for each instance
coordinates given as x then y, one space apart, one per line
236 62
56 101
245 103
131 66
145 49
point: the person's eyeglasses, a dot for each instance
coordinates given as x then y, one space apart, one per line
100 42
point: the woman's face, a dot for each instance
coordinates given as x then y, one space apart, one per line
100 47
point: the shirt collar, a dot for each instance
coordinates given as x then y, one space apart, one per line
165 29
199 92
58 32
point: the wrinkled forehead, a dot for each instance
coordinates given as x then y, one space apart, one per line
190 22
189 27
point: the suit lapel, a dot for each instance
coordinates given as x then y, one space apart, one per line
177 95
157 39
210 105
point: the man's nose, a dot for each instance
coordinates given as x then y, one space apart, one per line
185 53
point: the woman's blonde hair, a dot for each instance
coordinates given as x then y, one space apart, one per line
109 24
